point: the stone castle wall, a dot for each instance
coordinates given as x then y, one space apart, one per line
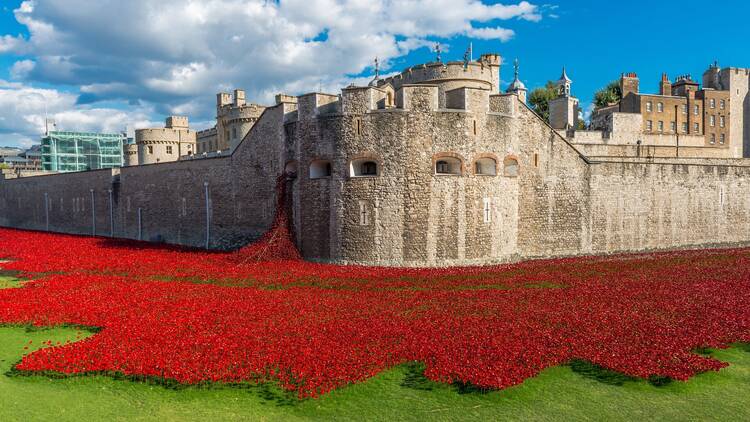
546 199
641 206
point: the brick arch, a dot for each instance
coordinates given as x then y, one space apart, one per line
361 157
448 154
487 155
508 161
316 166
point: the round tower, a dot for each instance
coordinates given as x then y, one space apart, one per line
481 74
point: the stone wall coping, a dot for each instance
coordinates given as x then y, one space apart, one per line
670 161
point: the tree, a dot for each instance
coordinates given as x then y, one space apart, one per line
610 94
540 98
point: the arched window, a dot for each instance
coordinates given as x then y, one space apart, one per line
364 167
510 167
368 168
485 166
320 169
447 165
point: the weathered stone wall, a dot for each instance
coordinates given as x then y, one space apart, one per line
553 196
68 202
544 198
171 196
641 206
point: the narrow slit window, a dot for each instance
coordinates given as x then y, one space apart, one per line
364 214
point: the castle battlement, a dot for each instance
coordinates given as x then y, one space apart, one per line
433 167
484 73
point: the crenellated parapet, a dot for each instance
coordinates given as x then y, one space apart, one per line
483 73
158 145
310 106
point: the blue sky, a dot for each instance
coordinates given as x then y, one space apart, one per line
106 64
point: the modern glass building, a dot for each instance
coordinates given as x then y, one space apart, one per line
80 151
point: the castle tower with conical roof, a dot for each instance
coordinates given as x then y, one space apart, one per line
563 110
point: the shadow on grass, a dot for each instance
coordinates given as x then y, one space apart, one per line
610 377
268 391
416 380
599 373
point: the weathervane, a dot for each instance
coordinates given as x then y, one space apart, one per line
377 68
437 52
468 56
515 67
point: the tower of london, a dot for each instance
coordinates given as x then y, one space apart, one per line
437 165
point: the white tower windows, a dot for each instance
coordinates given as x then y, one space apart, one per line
320 169
485 166
510 167
364 167
447 165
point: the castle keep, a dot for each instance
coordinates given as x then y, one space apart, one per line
430 167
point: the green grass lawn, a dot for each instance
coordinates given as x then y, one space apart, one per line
9 282
402 393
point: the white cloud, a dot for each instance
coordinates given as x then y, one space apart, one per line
21 69
174 54
502 34
23 109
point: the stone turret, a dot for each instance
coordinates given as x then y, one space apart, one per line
481 74
161 145
517 87
563 110
234 119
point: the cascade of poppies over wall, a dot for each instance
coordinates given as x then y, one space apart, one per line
278 243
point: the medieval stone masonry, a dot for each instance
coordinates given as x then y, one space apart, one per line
431 167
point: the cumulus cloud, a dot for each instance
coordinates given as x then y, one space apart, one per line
501 34
173 55
23 110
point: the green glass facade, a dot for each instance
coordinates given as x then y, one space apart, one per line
81 151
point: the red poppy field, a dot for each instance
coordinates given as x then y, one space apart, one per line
263 315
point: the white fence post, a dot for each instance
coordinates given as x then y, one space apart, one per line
208 215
